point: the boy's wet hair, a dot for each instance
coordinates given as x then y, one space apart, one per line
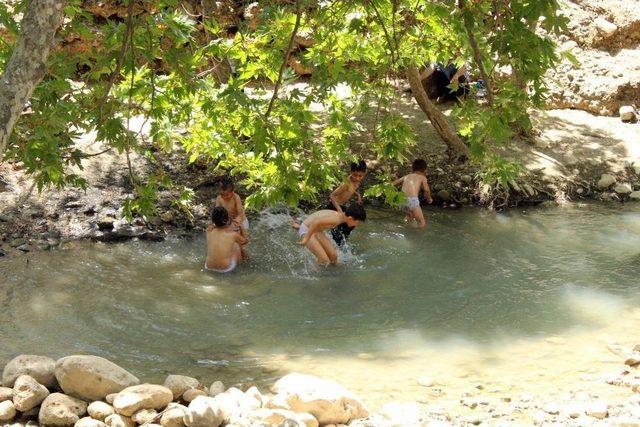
360 166
226 184
419 165
219 216
356 211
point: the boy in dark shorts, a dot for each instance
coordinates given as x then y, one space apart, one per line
341 196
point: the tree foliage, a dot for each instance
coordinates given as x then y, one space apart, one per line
166 63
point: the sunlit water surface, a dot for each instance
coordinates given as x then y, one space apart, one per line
507 299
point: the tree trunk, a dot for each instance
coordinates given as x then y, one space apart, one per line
439 121
27 65
477 56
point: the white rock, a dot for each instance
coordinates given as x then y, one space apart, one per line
144 416
254 393
28 393
192 393
279 417
91 377
173 416
203 411
61 410
401 413
117 420
143 396
623 188
6 393
605 27
89 422
634 195
216 388
100 410
109 398
327 401
7 411
597 409
178 384
606 181
627 113
425 381
40 368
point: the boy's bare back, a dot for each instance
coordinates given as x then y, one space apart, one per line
412 183
323 220
223 246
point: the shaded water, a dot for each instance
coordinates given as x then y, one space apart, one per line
472 280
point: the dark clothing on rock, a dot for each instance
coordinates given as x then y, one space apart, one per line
436 85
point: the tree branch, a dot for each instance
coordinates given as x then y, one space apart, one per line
285 62
477 56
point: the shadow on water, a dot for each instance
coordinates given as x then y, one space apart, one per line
473 276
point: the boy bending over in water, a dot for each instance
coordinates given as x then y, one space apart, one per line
411 185
341 195
312 231
229 199
223 243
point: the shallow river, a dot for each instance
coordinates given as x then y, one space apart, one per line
512 301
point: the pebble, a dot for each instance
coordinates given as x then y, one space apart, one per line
425 381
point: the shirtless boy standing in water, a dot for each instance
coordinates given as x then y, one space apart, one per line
223 243
231 201
312 231
341 196
411 185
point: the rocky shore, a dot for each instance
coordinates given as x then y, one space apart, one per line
90 391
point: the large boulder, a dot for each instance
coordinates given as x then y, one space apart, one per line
61 410
40 368
7 411
143 396
327 401
91 377
280 417
178 384
28 393
203 411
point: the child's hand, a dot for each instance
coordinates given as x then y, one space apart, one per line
429 200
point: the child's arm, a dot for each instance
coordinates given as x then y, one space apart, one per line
358 198
218 202
427 191
241 240
240 210
399 180
311 230
333 196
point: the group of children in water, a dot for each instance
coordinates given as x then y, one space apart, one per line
227 236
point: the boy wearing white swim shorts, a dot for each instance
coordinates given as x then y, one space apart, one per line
313 227
411 186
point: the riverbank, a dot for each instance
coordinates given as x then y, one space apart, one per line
573 156
90 391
